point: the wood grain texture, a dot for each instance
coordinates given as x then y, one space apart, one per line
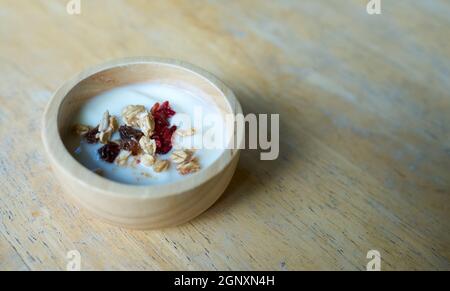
364 108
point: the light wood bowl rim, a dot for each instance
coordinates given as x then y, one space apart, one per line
62 160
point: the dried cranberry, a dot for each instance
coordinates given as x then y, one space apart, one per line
165 107
154 108
163 133
109 152
90 136
164 142
127 132
130 145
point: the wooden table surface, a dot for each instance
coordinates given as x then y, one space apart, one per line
364 104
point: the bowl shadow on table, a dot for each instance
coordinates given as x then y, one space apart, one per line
255 177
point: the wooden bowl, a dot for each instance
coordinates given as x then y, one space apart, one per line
133 206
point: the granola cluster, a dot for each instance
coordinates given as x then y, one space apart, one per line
186 161
144 135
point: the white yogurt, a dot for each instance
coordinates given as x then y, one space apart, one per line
182 100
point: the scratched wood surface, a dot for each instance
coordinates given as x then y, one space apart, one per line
364 108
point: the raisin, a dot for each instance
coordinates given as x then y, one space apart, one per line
109 152
127 132
130 145
91 135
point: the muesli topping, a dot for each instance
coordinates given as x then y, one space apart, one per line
144 136
148 145
122 158
109 152
130 114
148 160
81 129
91 135
180 156
190 166
161 165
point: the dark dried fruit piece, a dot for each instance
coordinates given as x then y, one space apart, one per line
127 132
91 135
109 152
130 145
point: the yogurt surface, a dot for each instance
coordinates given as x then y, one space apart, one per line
185 102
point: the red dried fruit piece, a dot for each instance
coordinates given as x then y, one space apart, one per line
164 142
160 123
109 152
154 108
163 133
162 112
90 136
165 107
130 145
127 132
